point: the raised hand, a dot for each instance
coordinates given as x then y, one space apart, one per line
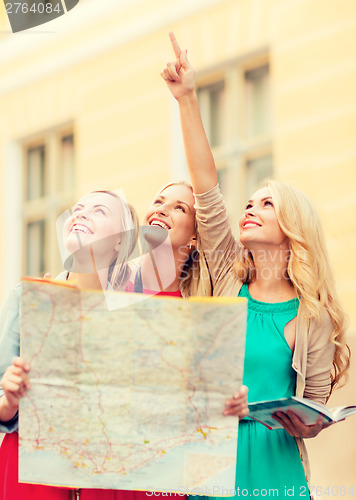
15 383
180 79
179 75
238 405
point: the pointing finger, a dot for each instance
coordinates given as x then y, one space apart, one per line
175 44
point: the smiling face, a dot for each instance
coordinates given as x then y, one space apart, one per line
173 209
259 225
95 221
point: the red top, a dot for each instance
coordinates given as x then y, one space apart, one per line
130 288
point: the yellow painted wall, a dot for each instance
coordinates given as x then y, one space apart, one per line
102 75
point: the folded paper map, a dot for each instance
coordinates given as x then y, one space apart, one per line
130 398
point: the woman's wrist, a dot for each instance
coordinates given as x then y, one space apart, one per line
7 410
188 98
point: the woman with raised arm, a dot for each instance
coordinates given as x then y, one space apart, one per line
295 339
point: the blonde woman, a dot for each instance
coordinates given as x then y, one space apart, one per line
100 233
295 340
172 266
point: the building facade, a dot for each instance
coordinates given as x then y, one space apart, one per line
83 107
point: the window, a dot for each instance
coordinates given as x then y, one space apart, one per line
212 102
66 178
36 172
256 171
236 111
257 102
49 183
35 265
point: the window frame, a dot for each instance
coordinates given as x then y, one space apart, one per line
55 200
238 149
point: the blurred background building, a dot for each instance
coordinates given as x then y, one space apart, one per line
83 107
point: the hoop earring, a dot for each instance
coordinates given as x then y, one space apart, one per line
190 246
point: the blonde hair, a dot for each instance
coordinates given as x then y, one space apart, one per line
309 268
191 272
119 270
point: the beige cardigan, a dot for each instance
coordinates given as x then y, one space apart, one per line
314 352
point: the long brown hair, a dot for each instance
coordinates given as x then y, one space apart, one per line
192 267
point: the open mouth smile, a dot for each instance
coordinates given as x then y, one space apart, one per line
251 224
80 228
159 223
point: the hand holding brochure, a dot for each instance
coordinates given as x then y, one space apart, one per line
306 409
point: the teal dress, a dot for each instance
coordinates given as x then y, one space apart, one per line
268 460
